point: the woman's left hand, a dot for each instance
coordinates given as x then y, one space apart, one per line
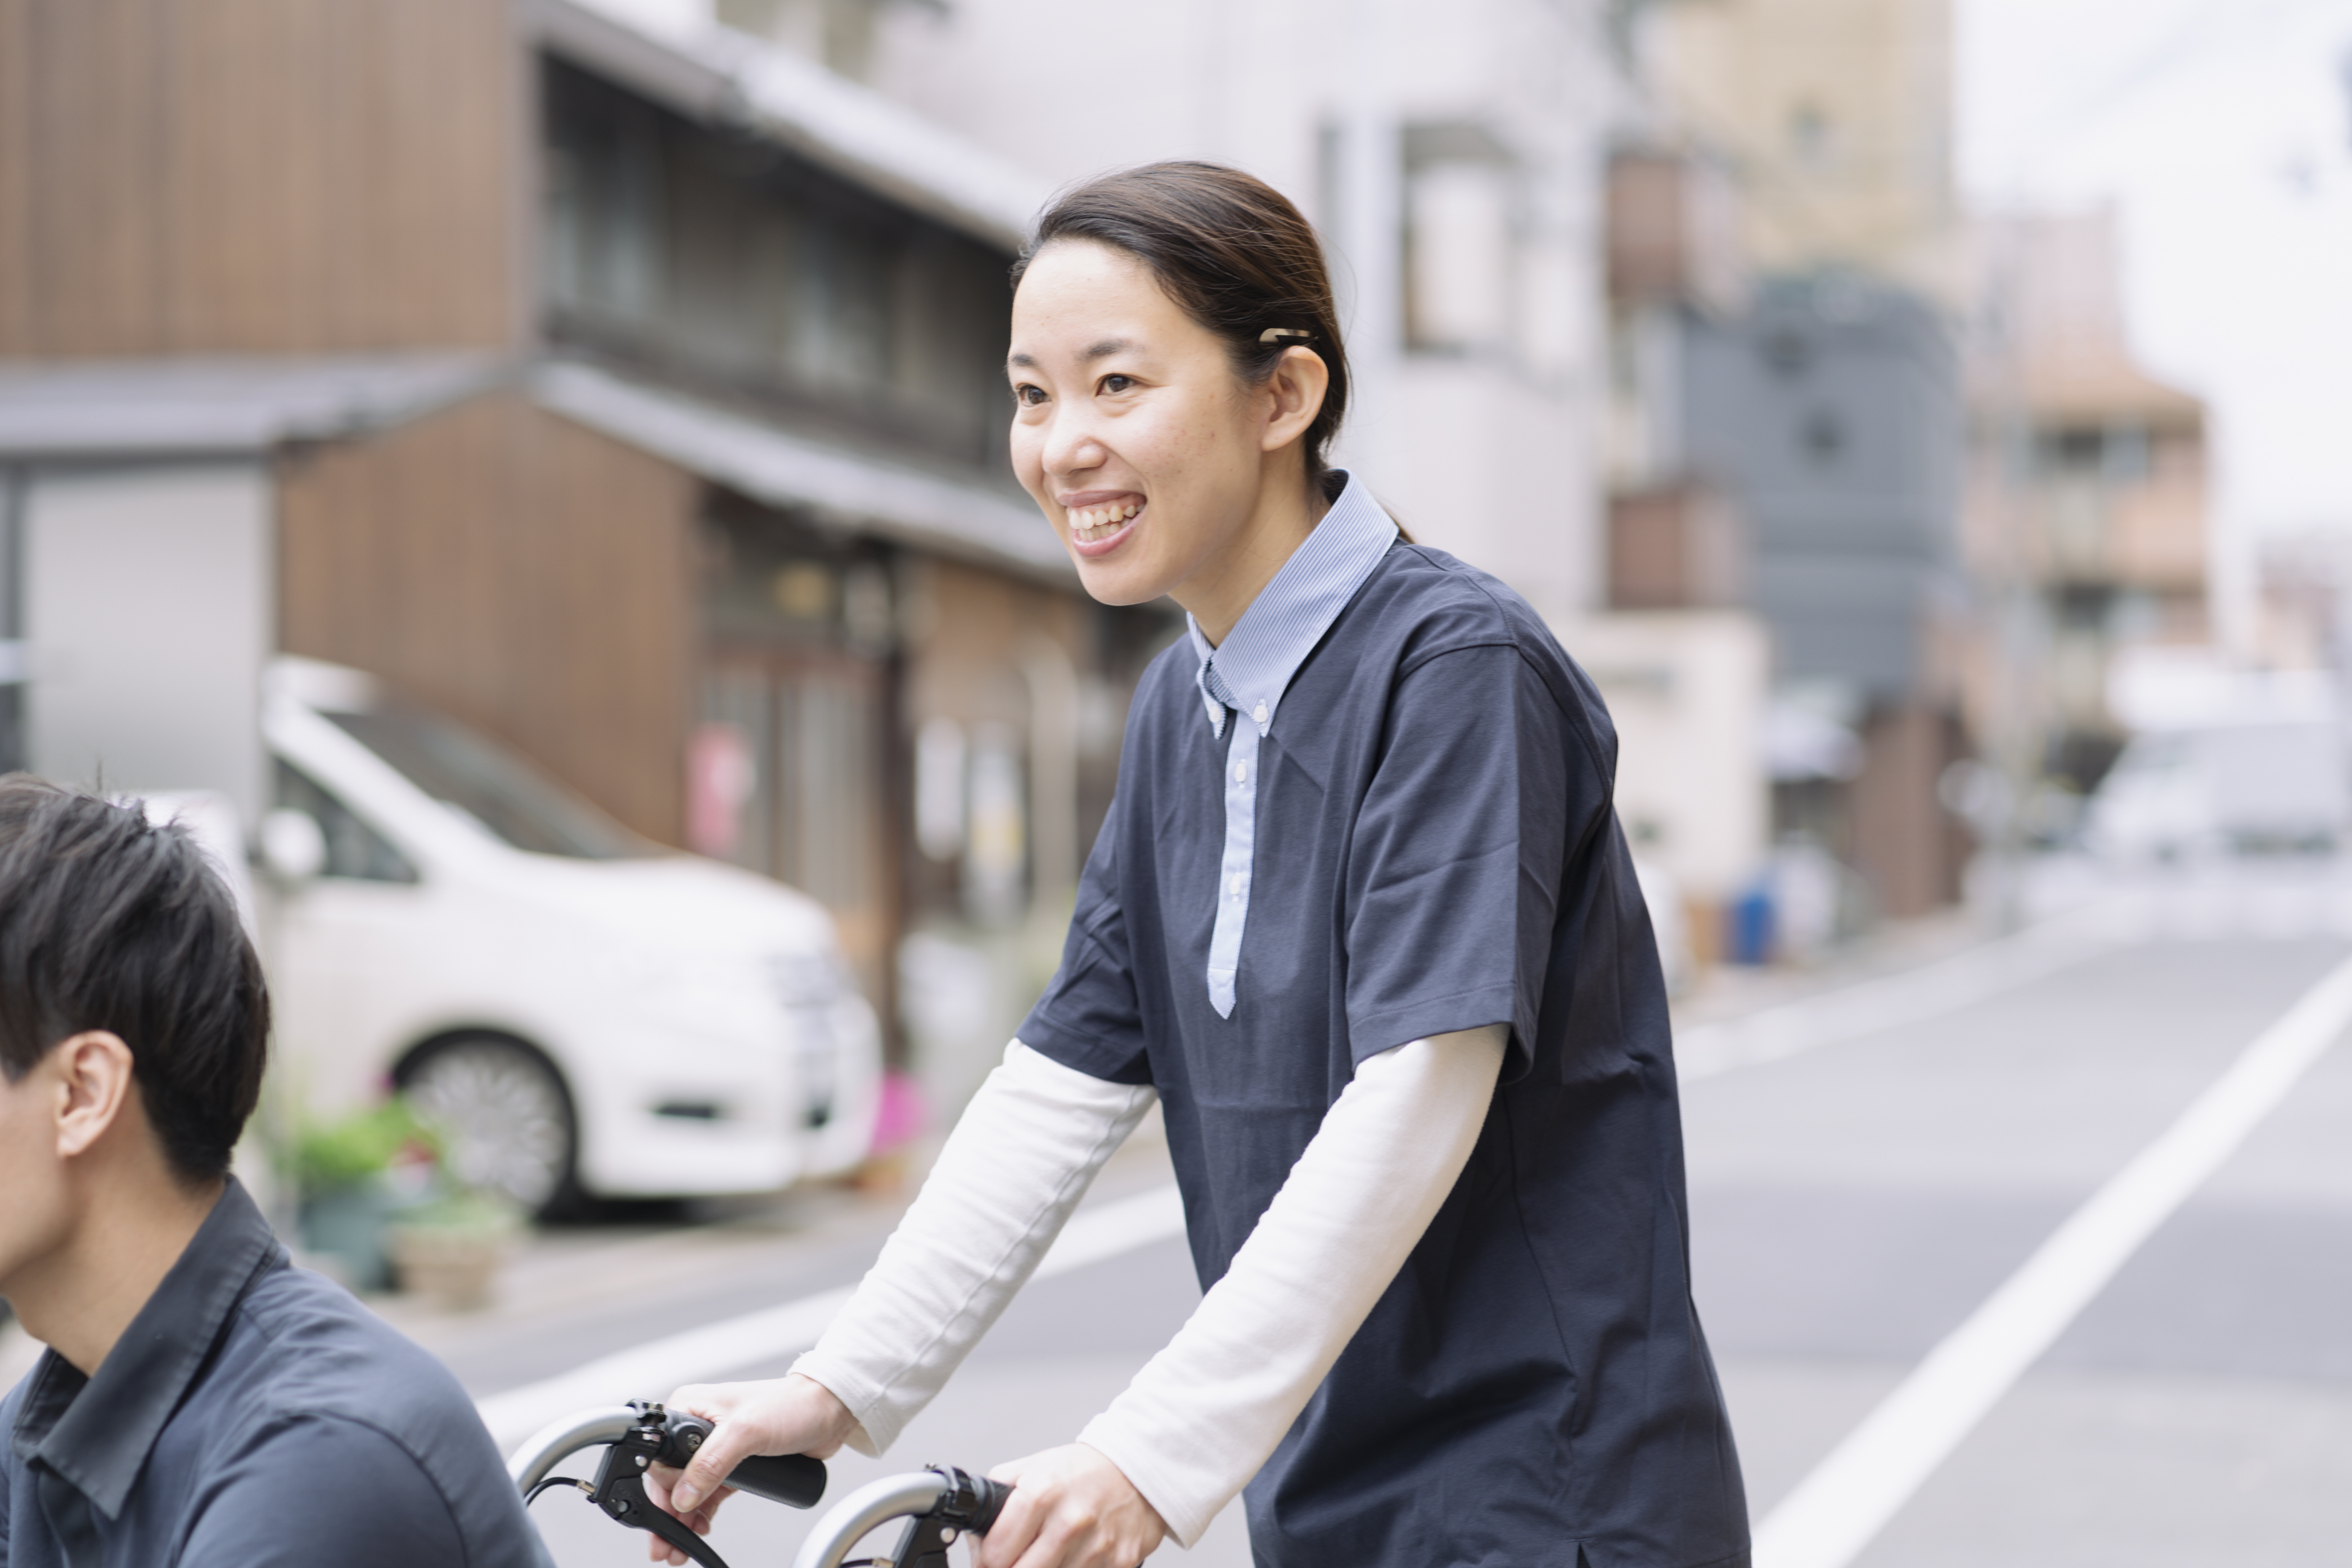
1070 1508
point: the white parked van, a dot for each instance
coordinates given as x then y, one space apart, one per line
586 1013
2255 785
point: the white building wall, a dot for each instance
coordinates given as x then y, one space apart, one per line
1686 690
1486 446
150 610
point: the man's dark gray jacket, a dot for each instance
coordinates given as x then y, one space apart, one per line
253 1414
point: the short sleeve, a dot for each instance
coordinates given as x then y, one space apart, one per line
324 1490
1089 1019
1455 868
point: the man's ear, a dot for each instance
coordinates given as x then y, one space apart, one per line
94 1081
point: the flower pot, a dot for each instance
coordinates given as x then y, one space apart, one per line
453 1266
344 1227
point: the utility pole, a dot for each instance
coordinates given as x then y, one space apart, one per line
2020 642
16 651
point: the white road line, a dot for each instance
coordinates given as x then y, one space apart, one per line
1868 1008
650 1371
1837 1509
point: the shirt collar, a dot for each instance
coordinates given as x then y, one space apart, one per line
95 1432
1254 663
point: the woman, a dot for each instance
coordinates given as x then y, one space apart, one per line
1417 1078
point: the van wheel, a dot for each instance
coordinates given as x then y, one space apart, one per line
504 1117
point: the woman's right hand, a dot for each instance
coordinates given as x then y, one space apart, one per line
791 1415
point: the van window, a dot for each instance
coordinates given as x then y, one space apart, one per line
354 850
490 785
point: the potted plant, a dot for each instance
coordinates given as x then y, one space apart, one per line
450 1250
353 1175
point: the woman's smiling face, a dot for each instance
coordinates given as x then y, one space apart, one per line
1144 449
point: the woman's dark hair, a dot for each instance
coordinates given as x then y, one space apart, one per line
109 922
1235 255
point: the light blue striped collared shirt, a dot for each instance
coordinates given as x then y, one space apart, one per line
1248 673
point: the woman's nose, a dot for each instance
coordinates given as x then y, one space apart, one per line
1071 445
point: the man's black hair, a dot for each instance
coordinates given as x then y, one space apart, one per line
109 922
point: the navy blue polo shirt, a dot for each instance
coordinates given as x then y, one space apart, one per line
252 1416
1434 849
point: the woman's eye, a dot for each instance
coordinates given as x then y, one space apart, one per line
1116 383
1029 396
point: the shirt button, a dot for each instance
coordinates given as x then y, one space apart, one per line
1237 885
1259 713
1241 773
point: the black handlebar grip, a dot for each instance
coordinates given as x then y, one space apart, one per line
992 1498
794 1480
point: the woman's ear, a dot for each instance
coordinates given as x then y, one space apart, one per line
1295 393
93 1080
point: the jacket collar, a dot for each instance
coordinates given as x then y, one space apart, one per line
1253 667
96 1432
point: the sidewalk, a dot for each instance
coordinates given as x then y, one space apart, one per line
1728 992
572 1293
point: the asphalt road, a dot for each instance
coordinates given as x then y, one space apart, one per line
1857 1195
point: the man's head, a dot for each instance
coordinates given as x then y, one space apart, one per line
133 1020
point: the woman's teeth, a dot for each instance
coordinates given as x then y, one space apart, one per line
1097 522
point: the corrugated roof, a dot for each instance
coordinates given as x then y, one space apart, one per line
770 464
672 51
221 406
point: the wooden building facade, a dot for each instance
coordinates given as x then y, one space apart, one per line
722 534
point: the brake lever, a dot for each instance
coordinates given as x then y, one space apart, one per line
620 1486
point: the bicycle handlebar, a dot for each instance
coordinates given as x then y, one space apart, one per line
553 1444
940 1504
794 1480
636 1438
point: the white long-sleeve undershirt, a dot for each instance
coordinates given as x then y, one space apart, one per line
1206 1412
1017 1162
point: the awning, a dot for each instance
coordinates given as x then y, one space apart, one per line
201 408
858 491
204 406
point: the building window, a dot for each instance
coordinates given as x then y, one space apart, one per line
788 766
604 214
1824 437
1460 240
940 789
839 327
1810 143
2124 455
713 258
996 831
838 34
1785 350
2114 455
